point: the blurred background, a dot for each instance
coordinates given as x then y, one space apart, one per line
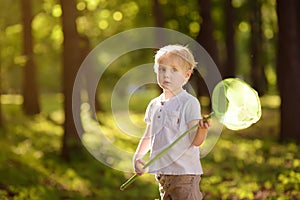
43 43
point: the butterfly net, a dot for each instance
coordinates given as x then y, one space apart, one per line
236 104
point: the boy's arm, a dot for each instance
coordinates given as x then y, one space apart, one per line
141 150
201 131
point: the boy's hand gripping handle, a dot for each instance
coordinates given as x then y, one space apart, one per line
133 178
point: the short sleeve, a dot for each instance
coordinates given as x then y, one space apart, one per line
192 110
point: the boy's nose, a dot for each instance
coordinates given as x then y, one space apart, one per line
167 73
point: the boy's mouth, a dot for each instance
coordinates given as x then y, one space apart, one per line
166 82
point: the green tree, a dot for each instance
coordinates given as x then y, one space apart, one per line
71 63
30 90
159 19
258 77
158 14
206 33
288 70
89 76
1 120
206 39
230 62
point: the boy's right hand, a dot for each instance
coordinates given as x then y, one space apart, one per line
138 167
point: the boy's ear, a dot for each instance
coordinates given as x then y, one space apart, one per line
188 74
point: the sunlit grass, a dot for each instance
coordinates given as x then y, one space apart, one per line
11 99
30 166
252 169
270 101
247 164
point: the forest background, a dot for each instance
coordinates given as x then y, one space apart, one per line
43 43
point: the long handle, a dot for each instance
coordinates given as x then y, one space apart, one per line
133 178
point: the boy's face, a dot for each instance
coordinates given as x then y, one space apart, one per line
171 75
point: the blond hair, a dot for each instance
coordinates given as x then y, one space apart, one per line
184 54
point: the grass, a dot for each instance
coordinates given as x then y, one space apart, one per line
248 164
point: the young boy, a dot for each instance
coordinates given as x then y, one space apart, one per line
167 116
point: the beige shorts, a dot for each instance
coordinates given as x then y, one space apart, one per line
179 187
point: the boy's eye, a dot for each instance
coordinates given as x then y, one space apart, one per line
174 69
162 69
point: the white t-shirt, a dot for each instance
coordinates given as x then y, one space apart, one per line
168 120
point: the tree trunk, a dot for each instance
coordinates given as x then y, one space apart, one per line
158 14
258 77
71 63
230 63
159 22
288 70
1 119
207 41
30 91
89 76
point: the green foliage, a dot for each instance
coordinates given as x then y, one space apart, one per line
100 19
31 168
242 165
239 168
246 164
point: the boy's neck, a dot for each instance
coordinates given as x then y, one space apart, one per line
169 94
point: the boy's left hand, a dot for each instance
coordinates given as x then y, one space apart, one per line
204 124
